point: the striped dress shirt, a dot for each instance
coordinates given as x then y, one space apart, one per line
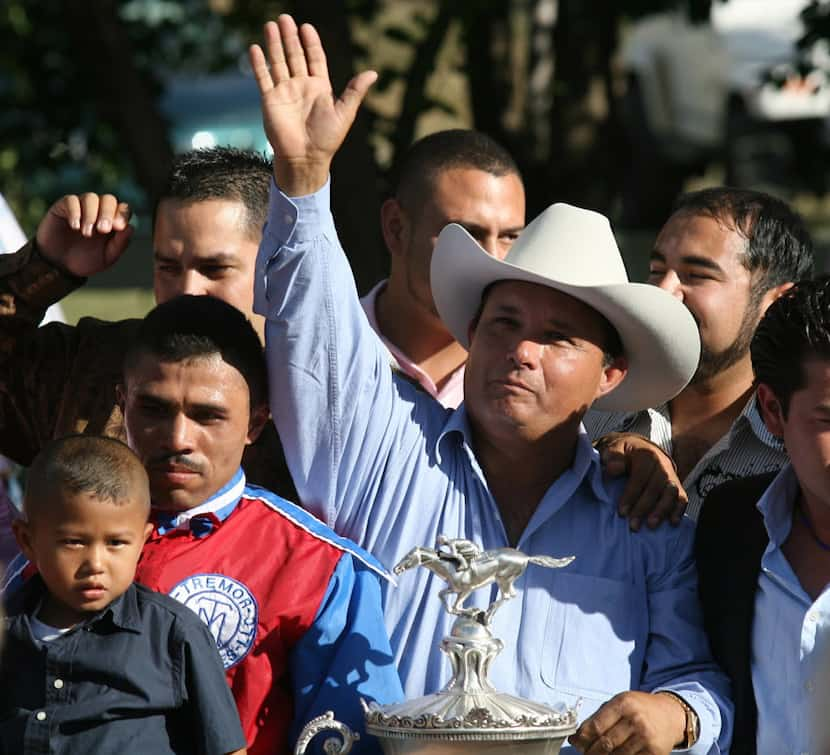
747 449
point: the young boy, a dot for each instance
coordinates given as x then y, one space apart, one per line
93 662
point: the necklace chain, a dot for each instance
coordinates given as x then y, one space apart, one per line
809 525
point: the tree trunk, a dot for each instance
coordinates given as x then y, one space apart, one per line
125 99
355 200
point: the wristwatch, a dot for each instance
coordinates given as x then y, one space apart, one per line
692 732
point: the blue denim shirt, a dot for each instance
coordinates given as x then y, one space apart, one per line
384 464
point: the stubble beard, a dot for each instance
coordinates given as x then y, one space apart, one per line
713 363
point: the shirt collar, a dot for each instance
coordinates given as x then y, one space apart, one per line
776 505
586 464
122 612
202 519
750 415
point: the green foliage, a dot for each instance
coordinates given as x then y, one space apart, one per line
54 138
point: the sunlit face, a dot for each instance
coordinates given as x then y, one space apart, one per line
700 261
204 248
189 423
491 208
806 428
536 362
86 550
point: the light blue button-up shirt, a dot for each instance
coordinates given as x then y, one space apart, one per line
790 635
385 464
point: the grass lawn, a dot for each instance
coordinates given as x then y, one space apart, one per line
107 303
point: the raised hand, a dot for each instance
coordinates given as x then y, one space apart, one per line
303 121
85 234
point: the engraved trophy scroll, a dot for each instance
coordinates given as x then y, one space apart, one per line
468 715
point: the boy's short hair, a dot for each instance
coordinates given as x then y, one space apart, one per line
190 327
796 327
106 468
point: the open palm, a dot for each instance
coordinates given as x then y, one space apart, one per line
303 121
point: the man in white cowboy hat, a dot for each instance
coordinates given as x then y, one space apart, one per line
551 330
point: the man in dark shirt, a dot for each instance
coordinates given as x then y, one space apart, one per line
93 662
61 379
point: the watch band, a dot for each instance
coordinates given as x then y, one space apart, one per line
692 730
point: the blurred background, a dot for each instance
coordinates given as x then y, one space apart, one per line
615 105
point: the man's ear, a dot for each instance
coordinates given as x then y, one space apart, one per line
772 412
612 376
23 535
774 293
394 224
120 396
259 418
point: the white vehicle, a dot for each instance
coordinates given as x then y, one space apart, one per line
733 86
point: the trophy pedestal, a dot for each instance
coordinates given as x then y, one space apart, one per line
469 715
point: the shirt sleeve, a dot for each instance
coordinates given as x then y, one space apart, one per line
345 656
33 360
340 412
678 658
215 729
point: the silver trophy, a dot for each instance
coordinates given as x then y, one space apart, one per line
468 715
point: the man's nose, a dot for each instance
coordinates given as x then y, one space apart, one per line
494 245
179 439
192 283
525 353
670 282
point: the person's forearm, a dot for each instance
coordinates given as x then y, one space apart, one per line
329 380
29 285
301 179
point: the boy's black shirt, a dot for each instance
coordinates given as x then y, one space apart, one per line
141 676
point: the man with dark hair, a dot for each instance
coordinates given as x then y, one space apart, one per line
383 462
727 254
58 379
763 543
454 176
294 609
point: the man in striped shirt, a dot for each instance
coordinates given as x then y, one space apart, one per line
727 254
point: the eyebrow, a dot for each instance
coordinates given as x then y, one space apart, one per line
200 406
510 309
692 260
217 258
474 228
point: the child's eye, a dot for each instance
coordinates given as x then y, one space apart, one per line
72 542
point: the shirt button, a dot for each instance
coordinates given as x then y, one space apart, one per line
810 686
287 219
811 617
41 715
58 684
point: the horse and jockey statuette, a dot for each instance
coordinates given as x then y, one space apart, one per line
466 568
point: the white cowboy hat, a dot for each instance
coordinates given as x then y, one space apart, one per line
574 251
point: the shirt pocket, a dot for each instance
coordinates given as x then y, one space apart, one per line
590 644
